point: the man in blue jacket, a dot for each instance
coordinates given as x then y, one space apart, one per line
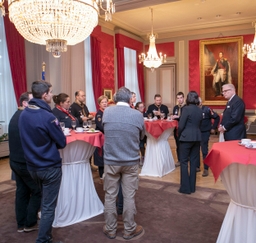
41 137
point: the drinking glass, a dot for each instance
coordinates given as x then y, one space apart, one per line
162 116
150 116
85 124
89 123
73 124
62 125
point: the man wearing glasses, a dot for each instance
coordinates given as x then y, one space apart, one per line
232 124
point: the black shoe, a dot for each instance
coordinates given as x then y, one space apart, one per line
183 192
177 164
198 170
205 173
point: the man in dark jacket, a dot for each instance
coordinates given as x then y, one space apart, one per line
207 127
41 138
28 193
232 124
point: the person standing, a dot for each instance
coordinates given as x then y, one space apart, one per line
157 108
41 138
177 110
232 123
207 127
28 193
221 74
98 153
79 110
123 129
190 137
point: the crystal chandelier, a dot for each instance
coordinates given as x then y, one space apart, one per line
250 50
57 23
152 60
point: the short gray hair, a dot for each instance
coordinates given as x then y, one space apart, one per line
123 94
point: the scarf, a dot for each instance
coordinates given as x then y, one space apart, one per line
66 112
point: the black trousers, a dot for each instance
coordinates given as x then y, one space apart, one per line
28 196
188 151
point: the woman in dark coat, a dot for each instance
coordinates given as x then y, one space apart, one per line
98 155
61 110
189 136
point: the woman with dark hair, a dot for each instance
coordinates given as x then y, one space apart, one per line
98 156
61 110
189 136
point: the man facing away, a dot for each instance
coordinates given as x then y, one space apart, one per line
79 110
177 110
28 193
207 127
232 123
123 129
157 108
41 137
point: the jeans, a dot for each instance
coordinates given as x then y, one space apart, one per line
49 181
28 196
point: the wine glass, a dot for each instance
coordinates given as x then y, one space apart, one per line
62 125
89 123
162 116
150 116
73 124
85 124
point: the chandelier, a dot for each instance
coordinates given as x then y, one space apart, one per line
250 50
152 60
57 23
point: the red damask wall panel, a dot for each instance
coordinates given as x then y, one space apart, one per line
107 58
249 74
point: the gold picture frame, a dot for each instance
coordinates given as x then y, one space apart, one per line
108 93
211 79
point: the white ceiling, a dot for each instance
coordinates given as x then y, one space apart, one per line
177 17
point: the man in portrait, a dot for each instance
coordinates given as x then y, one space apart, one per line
221 74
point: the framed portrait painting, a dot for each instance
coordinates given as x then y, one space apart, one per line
108 93
221 62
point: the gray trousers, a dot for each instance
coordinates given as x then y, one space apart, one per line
113 176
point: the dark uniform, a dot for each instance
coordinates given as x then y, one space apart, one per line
78 110
206 126
163 109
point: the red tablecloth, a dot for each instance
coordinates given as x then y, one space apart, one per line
156 128
225 153
95 139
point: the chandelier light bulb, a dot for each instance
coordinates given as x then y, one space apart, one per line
250 50
152 60
57 23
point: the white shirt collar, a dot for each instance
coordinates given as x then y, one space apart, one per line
122 103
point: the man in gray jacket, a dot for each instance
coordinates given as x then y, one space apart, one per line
123 129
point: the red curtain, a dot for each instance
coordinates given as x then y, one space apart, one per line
140 73
96 67
121 42
16 51
120 67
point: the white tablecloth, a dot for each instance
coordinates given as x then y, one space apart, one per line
78 199
158 157
239 225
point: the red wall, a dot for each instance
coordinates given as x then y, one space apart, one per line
249 73
107 58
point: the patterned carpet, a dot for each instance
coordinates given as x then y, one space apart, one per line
165 214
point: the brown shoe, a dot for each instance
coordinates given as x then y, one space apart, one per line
205 173
32 228
137 231
110 236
